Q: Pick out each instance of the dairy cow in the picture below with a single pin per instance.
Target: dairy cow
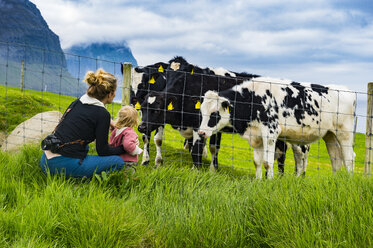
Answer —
(264, 110)
(154, 108)
(148, 79)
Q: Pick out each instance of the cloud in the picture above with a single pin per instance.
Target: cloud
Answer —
(301, 39)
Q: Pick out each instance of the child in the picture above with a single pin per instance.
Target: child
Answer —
(124, 135)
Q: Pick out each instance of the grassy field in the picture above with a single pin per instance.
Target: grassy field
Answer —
(175, 205)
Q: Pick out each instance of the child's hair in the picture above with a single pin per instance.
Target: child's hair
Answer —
(127, 117)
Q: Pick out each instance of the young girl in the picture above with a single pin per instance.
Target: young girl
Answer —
(124, 135)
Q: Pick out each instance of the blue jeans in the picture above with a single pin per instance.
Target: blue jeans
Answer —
(90, 165)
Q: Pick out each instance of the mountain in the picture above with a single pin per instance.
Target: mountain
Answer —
(89, 57)
(115, 52)
(21, 23)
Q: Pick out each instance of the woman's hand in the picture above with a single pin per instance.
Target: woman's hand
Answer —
(112, 125)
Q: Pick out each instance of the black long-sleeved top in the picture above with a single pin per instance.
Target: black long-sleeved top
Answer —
(89, 123)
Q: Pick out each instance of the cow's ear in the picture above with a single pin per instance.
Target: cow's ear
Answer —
(171, 100)
(137, 68)
(197, 102)
(225, 106)
(153, 78)
(135, 103)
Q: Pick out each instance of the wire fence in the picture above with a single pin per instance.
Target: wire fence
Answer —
(41, 80)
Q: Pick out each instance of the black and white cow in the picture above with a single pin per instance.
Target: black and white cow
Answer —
(154, 108)
(151, 78)
(148, 79)
(263, 110)
(179, 107)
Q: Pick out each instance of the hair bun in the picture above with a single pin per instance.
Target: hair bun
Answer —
(90, 78)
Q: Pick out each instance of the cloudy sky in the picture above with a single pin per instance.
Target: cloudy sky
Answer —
(322, 41)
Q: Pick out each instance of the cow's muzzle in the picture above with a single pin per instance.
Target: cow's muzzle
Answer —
(141, 128)
(202, 134)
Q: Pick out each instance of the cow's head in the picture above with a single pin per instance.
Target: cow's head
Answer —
(145, 79)
(154, 110)
(215, 112)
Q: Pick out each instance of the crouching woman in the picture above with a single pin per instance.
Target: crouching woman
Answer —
(85, 120)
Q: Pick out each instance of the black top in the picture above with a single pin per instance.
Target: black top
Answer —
(86, 122)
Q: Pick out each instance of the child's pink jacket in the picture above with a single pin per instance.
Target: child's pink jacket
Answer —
(128, 138)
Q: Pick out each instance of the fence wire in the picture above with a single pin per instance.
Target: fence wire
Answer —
(47, 81)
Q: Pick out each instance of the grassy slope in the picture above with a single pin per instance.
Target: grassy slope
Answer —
(175, 206)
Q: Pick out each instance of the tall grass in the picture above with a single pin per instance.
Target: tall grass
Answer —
(175, 206)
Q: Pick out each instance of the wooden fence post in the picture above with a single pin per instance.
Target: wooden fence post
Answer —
(369, 132)
(126, 90)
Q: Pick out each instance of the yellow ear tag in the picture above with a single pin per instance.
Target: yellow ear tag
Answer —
(160, 69)
(137, 106)
(228, 109)
(192, 72)
(152, 80)
(198, 105)
(170, 106)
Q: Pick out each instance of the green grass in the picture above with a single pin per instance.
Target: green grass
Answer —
(177, 206)
(174, 206)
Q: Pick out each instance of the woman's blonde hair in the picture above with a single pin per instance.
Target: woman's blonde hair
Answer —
(100, 83)
(127, 117)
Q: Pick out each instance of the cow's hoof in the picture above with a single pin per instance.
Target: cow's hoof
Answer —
(213, 169)
(158, 162)
(145, 163)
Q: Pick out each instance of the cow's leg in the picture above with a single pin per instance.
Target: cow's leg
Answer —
(258, 160)
(189, 144)
(346, 140)
(145, 155)
(197, 149)
(214, 149)
(300, 157)
(269, 147)
(158, 144)
(306, 149)
(186, 145)
(334, 150)
(204, 152)
(281, 148)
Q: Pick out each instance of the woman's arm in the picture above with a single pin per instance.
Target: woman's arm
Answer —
(102, 132)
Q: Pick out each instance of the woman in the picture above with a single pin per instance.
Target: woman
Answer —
(86, 121)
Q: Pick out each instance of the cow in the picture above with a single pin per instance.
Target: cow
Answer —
(144, 80)
(179, 106)
(152, 78)
(264, 110)
(151, 120)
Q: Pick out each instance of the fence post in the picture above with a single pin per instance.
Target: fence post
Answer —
(369, 132)
(126, 89)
